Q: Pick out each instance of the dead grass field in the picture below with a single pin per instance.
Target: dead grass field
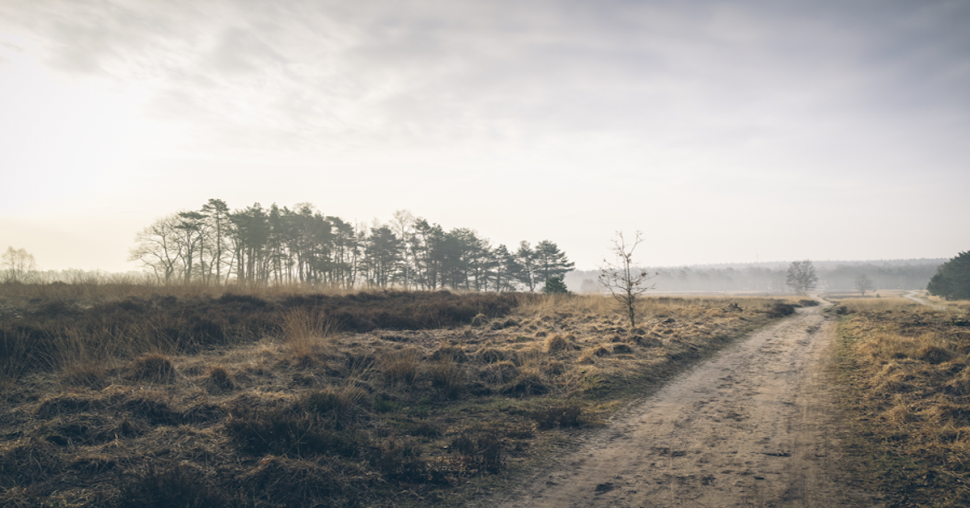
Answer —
(905, 371)
(142, 396)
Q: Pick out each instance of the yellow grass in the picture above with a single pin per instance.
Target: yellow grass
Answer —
(310, 404)
(906, 372)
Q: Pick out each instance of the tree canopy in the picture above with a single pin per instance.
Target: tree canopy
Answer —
(302, 245)
(801, 277)
(952, 279)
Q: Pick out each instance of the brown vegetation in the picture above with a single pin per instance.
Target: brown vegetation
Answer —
(906, 373)
(293, 399)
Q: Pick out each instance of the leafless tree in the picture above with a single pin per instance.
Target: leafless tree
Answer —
(625, 282)
(863, 283)
(801, 277)
(19, 265)
(403, 223)
(160, 249)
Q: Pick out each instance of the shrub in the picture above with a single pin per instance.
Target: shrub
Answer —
(178, 486)
(500, 373)
(934, 354)
(492, 355)
(219, 377)
(32, 461)
(401, 461)
(338, 406)
(280, 432)
(555, 343)
(479, 320)
(558, 417)
(622, 349)
(779, 309)
(528, 383)
(449, 353)
(152, 367)
(555, 286)
(400, 367)
(479, 451)
(447, 377)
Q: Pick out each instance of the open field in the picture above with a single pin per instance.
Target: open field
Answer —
(134, 396)
(905, 374)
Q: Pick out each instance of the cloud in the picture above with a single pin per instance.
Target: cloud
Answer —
(701, 74)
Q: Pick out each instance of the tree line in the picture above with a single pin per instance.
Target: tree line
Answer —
(216, 245)
(775, 278)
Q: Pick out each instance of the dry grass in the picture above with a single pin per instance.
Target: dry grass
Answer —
(296, 399)
(307, 333)
(906, 373)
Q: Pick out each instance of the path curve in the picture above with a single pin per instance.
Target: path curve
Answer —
(754, 426)
(912, 296)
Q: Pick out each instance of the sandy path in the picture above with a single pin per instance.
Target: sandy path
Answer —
(750, 427)
(912, 296)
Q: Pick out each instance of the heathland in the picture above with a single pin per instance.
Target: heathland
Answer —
(136, 395)
(904, 371)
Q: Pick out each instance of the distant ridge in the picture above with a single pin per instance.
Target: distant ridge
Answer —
(770, 275)
(819, 263)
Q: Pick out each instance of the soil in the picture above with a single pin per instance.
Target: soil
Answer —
(757, 425)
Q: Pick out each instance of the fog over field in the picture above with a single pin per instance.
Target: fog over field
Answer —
(739, 132)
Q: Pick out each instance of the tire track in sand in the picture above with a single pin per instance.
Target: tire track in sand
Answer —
(753, 427)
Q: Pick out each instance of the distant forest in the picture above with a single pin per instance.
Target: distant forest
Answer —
(770, 277)
(216, 245)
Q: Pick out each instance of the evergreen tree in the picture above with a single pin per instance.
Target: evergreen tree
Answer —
(551, 262)
(952, 279)
(555, 286)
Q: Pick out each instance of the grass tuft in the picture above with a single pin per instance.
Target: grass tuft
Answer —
(556, 343)
(152, 367)
(178, 486)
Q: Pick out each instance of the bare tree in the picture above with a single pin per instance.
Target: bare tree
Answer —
(625, 282)
(863, 283)
(160, 249)
(801, 277)
(403, 223)
(19, 265)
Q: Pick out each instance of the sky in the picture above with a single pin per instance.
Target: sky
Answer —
(724, 131)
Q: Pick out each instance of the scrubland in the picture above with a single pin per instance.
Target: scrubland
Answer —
(126, 395)
(905, 374)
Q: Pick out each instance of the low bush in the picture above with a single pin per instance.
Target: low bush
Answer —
(281, 432)
(401, 461)
(779, 309)
(219, 378)
(479, 451)
(555, 343)
(401, 367)
(448, 377)
(152, 367)
(558, 417)
(178, 486)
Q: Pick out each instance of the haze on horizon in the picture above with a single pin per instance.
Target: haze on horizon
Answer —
(755, 130)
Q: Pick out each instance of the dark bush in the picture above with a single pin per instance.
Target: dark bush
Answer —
(179, 486)
(779, 309)
(558, 417)
(401, 461)
(281, 432)
(189, 325)
(152, 367)
(479, 451)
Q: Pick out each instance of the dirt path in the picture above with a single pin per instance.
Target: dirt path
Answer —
(752, 427)
(912, 296)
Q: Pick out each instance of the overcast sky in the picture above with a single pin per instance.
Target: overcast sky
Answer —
(725, 131)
